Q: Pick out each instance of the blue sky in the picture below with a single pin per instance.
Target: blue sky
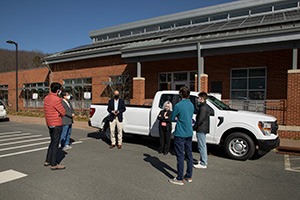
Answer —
(56, 25)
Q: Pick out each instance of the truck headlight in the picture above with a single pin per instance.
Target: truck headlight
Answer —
(265, 127)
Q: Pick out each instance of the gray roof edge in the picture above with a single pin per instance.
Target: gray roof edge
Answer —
(205, 40)
(226, 7)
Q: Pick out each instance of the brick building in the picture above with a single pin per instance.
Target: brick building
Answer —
(245, 50)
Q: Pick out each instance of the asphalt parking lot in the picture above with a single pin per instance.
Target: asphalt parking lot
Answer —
(136, 171)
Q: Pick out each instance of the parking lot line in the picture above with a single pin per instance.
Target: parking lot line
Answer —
(287, 162)
(22, 146)
(31, 150)
(10, 175)
(18, 138)
(24, 141)
(7, 133)
(14, 135)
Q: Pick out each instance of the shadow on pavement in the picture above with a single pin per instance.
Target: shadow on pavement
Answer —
(60, 155)
(153, 143)
(4, 120)
(159, 165)
(99, 135)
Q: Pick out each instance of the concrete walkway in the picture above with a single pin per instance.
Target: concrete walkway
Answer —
(285, 144)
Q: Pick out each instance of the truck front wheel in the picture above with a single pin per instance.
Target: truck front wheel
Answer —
(239, 146)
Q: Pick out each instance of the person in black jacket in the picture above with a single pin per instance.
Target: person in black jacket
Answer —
(116, 107)
(67, 122)
(202, 128)
(165, 127)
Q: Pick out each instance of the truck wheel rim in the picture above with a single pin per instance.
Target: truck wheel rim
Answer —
(238, 147)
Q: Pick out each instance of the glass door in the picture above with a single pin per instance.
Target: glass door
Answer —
(178, 84)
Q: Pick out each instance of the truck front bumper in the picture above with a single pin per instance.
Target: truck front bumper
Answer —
(268, 145)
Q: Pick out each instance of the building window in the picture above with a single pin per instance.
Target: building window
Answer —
(248, 84)
(4, 94)
(42, 89)
(76, 88)
(175, 80)
(122, 84)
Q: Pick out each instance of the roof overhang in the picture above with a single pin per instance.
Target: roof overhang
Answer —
(81, 55)
(221, 8)
(267, 38)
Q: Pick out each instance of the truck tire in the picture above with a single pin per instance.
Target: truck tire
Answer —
(239, 146)
(107, 133)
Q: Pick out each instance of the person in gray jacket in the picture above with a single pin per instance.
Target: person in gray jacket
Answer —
(202, 128)
(67, 122)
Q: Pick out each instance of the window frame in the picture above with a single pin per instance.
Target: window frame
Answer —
(248, 77)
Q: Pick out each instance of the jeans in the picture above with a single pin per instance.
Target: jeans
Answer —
(183, 145)
(55, 133)
(201, 139)
(65, 135)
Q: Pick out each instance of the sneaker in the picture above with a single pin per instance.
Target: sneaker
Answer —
(66, 148)
(58, 167)
(176, 182)
(199, 166)
(187, 179)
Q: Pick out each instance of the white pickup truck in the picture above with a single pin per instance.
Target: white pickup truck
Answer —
(241, 133)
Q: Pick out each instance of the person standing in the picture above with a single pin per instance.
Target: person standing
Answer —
(202, 128)
(165, 128)
(67, 122)
(54, 110)
(116, 107)
(183, 112)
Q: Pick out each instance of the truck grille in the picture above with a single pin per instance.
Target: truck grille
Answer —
(274, 127)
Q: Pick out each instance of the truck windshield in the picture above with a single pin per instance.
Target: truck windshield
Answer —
(219, 104)
(174, 99)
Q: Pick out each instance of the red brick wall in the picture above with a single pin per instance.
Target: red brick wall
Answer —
(138, 91)
(150, 71)
(218, 69)
(293, 98)
(204, 83)
(24, 76)
(99, 69)
(289, 134)
(277, 63)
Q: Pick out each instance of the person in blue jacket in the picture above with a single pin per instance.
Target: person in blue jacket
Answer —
(183, 113)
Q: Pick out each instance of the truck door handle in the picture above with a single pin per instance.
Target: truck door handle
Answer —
(221, 120)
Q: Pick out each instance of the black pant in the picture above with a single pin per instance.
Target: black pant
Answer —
(164, 138)
(55, 134)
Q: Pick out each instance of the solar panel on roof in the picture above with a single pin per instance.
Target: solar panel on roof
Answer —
(273, 18)
(233, 23)
(215, 26)
(291, 15)
(253, 21)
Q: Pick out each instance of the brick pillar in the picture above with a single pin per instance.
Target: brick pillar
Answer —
(293, 98)
(138, 91)
(196, 83)
(204, 83)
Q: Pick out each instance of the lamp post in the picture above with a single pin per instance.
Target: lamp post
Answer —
(12, 42)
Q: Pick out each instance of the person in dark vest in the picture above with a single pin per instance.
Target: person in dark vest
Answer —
(67, 122)
(116, 107)
(202, 128)
(165, 127)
